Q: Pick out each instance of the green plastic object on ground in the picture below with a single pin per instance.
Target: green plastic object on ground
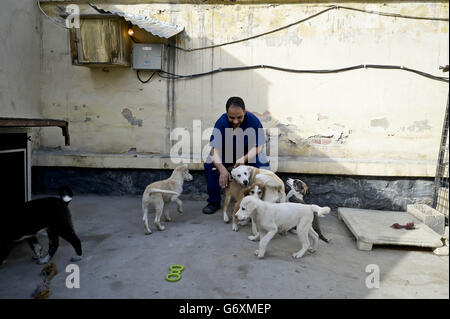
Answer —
(175, 273)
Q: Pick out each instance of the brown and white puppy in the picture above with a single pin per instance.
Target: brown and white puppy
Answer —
(298, 189)
(161, 193)
(256, 190)
(236, 192)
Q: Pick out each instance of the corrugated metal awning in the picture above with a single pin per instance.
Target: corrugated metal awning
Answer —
(154, 26)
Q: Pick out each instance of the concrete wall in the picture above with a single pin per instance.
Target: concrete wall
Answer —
(363, 122)
(380, 193)
(20, 59)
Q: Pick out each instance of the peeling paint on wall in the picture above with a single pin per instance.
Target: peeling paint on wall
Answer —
(383, 122)
(333, 137)
(419, 126)
(320, 139)
(264, 117)
(130, 118)
(287, 128)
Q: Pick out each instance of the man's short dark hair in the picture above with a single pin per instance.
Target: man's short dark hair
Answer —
(236, 102)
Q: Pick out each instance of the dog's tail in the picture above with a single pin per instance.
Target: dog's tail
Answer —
(321, 211)
(65, 193)
(162, 191)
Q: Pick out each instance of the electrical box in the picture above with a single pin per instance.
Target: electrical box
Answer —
(147, 56)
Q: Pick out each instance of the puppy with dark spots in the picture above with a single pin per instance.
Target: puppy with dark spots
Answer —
(298, 189)
(51, 214)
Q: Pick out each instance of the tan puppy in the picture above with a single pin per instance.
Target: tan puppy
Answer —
(236, 192)
(274, 186)
(232, 192)
(161, 193)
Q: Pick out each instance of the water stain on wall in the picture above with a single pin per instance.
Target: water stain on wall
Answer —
(130, 118)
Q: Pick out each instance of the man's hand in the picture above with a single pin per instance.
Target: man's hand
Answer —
(240, 162)
(224, 178)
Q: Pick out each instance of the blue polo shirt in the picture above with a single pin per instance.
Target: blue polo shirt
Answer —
(233, 144)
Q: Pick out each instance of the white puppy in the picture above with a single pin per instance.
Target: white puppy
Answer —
(160, 193)
(274, 186)
(272, 218)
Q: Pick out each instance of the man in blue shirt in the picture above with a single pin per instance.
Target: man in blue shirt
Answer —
(237, 139)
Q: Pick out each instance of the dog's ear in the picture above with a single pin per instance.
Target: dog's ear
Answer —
(247, 190)
(304, 188)
(65, 191)
(300, 186)
(181, 168)
(251, 206)
(252, 173)
(263, 189)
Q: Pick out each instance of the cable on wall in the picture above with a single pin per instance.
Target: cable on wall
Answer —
(393, 15)
(168, 75)
(334, 7)
(144, 81)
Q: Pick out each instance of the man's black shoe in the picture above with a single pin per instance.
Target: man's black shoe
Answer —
(211, 208)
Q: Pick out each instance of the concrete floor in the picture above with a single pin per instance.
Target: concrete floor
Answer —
(119, 261)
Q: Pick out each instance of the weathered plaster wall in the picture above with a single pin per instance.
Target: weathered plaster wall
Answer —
(364, 122)
(20, 63)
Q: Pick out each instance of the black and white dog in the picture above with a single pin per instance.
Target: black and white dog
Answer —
(50, 213)
(298, 189)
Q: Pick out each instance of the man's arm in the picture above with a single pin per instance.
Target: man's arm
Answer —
(253, 152)
(225, 176)
(217, 161)
(259, 142)
(249, 156)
